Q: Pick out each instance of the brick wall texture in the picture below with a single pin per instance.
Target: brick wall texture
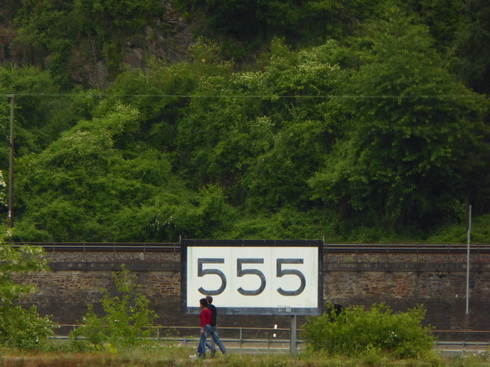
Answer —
(402, 281)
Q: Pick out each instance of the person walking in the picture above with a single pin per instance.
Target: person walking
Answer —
(214, 328)
(205, 318)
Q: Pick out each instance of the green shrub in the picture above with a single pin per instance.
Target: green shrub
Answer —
(374, 333)
(20, 328)
(126, 322)
(23, 329)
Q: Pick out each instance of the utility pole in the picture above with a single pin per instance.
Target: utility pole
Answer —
(11, 164)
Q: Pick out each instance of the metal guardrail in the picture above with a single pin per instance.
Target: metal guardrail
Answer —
(276, 346)
(329, 248)
(446, 248)
(253, 340)
(266, 333)
(230, 332)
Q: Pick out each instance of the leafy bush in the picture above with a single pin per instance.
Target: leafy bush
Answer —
(20, 328)
(23, 329)
(373, 333)
(458, 232)
(126, 321)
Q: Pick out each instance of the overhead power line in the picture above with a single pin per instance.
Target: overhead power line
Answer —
(264, 96)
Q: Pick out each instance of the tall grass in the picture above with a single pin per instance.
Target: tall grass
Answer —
(178, 356)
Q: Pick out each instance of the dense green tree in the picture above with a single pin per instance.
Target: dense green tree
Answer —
(264, 134)
(32, 114)
(473, 46)
(410, 137)
(41, 110)
(442, 17)
(248, 24)
(68, 187)
(98, 182)
(363, 137)
(301, 128)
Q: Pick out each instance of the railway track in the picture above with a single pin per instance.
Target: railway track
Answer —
(104, 246)
(329, 248)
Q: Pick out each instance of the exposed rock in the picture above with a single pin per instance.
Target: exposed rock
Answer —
(164, 38)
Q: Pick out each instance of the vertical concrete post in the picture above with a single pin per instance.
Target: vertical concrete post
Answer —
(294, 338)
(11, 164)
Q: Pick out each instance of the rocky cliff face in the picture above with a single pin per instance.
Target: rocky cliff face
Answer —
(164, 38)
(7, 34)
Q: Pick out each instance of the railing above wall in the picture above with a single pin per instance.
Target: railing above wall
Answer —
(329, 248)
(104, 246)
(407, 248)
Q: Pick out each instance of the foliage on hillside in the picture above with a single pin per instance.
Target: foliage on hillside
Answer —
(360, 121)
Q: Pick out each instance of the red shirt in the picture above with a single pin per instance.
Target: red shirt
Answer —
(206, 316)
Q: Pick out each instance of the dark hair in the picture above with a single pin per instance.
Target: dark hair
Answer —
(209, 299)
(203, 302)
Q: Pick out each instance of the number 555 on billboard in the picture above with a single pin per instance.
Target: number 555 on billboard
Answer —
(253, 277)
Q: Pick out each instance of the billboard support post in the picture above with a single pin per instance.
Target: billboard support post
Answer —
(254, 277)
(294, 336)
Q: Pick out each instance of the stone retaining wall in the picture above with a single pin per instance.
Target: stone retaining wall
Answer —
(401, 280)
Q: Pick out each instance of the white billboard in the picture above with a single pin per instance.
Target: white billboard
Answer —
(253, 277)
